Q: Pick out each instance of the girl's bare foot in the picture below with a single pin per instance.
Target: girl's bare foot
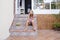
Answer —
(25, 29)
(34, 29)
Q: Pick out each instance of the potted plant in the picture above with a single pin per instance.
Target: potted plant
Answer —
(56, 26)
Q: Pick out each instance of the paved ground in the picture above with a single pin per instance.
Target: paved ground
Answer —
(42, 35)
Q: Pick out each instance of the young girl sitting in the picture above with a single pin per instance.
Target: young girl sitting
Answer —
(30, 20)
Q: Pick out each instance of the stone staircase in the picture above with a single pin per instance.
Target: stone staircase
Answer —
(17, 28)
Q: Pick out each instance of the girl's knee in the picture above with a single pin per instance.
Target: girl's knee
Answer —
(27, 20)
(32, 20)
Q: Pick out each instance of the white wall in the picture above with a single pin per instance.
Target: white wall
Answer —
(6, 17)
(47, 1)
(46, 11)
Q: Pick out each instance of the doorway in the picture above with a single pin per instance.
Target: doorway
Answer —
(27, 6)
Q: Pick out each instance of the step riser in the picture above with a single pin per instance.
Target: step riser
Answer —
(24, 34)
(23, 19)
(21, 23)
(23, 16)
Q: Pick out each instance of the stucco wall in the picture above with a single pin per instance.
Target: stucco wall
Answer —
(6, 17)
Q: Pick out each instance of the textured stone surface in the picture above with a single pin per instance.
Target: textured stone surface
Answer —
(19, 23)
(42, 35)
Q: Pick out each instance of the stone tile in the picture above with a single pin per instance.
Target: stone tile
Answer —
(42, 35)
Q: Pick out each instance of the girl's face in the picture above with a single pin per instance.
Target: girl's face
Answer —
(31, 12)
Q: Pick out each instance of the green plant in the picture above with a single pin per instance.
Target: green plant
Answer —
(56, 25)
(53, 6)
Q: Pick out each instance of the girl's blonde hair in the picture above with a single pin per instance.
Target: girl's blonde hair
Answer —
(31, 14)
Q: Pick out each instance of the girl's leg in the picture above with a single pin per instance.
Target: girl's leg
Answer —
(34, 28)
(26, 26)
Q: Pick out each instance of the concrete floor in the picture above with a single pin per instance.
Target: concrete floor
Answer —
(42, 35)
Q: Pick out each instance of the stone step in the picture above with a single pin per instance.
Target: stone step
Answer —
(19, 23)
(24, 33)
(23, 16)
(22, 19)
(22, 22)
(20, 31)
(20, 28)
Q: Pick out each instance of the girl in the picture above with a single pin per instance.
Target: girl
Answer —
(30, 20)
